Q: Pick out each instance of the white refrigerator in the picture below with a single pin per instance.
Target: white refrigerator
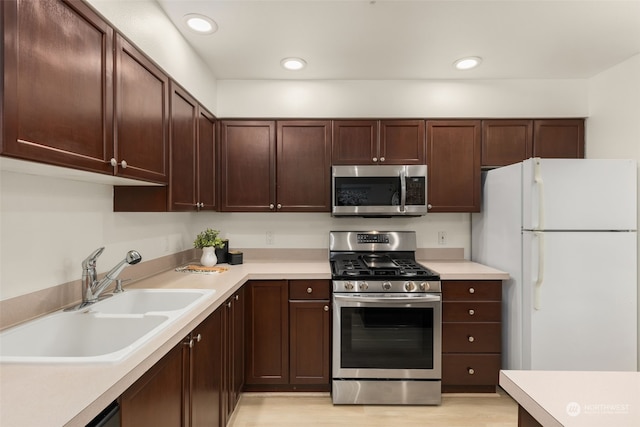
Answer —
(566, 232)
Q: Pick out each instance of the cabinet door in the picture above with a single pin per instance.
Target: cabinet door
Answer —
(206, 372)
(402, 142)
(206, 160)
(267, 333)
(183, 149)
(237, 349)
(142, 112)
(157, 398)
(453, 159)
(309, 335)
(354, 142)
(303, 166)
(505, 142)
(558, 138)
(57, 98)
(247, 166)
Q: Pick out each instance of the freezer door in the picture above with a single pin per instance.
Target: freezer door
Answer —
(579, 194)
(580, 301)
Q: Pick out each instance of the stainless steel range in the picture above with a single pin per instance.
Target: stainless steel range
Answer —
(387, 321)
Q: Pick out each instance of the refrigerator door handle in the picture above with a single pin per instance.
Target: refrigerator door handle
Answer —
(537, 178)
(538, 285)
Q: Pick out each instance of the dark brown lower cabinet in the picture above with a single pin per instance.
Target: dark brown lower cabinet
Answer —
(287, 335)
(233, 354)
(184, 387)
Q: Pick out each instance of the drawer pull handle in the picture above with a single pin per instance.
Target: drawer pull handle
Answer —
(471, 339)
(472, 291)
(472, 312)
(471, 371)
(309, 290)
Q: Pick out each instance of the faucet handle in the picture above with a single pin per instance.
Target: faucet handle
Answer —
(90, 261)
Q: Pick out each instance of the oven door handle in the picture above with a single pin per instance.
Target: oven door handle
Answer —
(387, 299)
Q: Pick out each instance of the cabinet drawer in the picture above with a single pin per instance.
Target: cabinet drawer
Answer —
(463, 290)
(471, 337)
(309, 289)
(466, 369)
(471, 311)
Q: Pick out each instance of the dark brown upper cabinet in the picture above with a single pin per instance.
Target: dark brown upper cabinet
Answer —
(558, 138)
(142, 115)
(453, 154)
(273, 166)
(392, 142)
(57, 97)
(506, 141)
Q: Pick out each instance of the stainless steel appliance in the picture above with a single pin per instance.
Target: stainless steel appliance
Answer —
(374, 190)
(387, 321)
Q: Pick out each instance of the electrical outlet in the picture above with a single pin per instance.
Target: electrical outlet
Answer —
(442, 237)
(270, 239)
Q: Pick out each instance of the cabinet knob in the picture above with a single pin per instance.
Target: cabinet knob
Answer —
(229, 304)
(198, 338)
(472, 291)
(382, 159)
(375, 159)
(279, 206)
(271, 206)
(472, 312)
(471, 371)
(429, 206)
(471, 338)
(309, 290)
(115, 163)
(326, 308)
(188, 342)
(237, 297)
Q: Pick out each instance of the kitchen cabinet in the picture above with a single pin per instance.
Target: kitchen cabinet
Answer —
(141, 115)
(453, 161)
(509, 141)
(57, 97)
(471, 335)
(287, 335)
(558, 138)
(184, 387)
(233, 357)
(269, 166)
(392, 142)
(192, 148)
(309, 332)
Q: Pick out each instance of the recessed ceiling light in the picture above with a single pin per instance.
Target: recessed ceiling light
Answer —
(467, 63)
(293, 64)
(201, 24)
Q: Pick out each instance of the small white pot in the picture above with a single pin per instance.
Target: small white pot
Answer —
(209, 258)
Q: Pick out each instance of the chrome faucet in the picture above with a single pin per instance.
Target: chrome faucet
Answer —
(91, 287)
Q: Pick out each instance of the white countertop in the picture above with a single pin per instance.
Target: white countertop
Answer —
(576, 398)
(72, 394)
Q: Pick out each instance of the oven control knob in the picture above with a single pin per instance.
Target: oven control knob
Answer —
(364, 286)
(425, 286)
(348, 286)
(409, 286)
(386, 286)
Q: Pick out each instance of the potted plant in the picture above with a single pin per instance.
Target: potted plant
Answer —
(208, 241)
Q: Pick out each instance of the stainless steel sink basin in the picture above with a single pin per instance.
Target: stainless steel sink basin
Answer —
(140, 301)
(107, 331)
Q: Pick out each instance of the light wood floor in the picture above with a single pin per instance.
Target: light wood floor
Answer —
(316, 409)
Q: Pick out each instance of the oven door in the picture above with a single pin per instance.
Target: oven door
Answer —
(387, 336)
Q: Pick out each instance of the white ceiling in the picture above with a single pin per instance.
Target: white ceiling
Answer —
(420, 39)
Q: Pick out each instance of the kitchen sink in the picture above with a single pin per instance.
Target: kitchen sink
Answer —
(140, 301)
(105, 332)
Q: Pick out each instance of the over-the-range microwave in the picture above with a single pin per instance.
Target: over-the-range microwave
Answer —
(379, 191)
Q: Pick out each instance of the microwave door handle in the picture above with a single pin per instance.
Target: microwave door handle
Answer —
(403, 190)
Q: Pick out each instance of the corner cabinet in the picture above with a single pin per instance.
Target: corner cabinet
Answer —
(288, 335)
(57, 98)
(269, 166)
(390, 142)
(453, 161)
(471, 335)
